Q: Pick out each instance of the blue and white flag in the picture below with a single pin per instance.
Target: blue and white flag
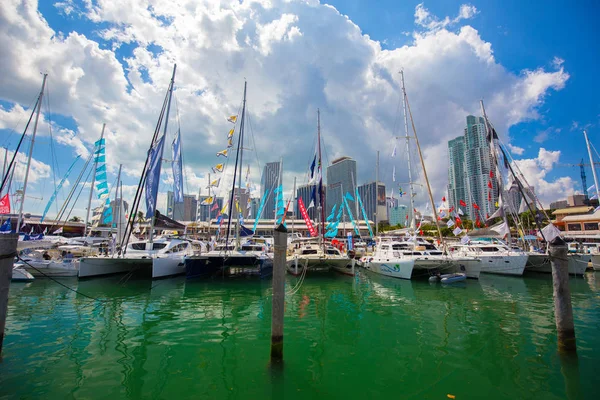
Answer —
(591, 188)
(100, 173)
(57, 189)
(6, 227)
(279, 205)
(153, 176)
(177, 170)
(260, 209)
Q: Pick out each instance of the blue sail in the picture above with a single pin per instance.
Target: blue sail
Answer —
(177, 170)
(100, 173)
(153, 176)
(350, 213)
(260, 209)
(279, 205)
(60, 184)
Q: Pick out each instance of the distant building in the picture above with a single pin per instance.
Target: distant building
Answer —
(559, 204)
(374, 200)
(470, 163)
(576, 200)
(206, 212)
(341, 178)
(269, 181)
(304, 192)
(397, 215)
(184, 211)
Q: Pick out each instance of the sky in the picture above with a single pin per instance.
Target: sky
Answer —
(534, 67)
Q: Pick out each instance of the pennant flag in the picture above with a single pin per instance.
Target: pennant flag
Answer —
(348, 196)
(224, 208)
(222, 153)
(177, 168)
(217, 168)
(458, 221)
(475, 206)
(460, 212)
(312, 167)
(451, 209)
(491, 174)
(232, 119)
(6, 226)
(214, 207)
(591, 188)
(58, 231)
(152, 177)
(214, 183)
(465, 239)
(394, 151)
(260, 208)
(311, 229)
(313, 197)
(490, 184)
(444, 198)
(462, 203)
(394, 174)
(5, 205)
(450, 223)
(489, 196)
(442, 214)
(229, 143)
(208, 201)
(457, 231)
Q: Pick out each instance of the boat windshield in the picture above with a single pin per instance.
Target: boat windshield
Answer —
(309, 251)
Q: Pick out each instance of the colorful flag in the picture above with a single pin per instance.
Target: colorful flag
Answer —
(457, 231)
(5, 204)
(6, 227)
(229, 143)
(462, 203)
(217, 168)
(444, 198)
(214, 207)
(214, 183)
(222, 153)
(465, 239)
(490, 184)
(475, 206)
(232, 119)
(208, 201)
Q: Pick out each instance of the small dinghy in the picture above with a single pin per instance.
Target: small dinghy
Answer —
(452, 278)
(20, 275)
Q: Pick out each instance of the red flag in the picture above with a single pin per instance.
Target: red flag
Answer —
(421, 232)
(462, 203)
(311, 229)
(475, 206)
(490, 184)
(489, 196)
(451, 209)
(458, 221)
(477, 222)
(444, 198)
(487, 216)
(5, 204)
(214, 207)
(491, 174)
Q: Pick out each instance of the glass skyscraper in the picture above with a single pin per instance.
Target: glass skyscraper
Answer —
(341, 178)
(269, 180)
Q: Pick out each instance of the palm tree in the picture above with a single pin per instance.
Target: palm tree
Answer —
(140, 219)
(75, 219)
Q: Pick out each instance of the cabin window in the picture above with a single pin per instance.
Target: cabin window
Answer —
(489, 249)
(309, 251)
(573, 227)
(332, 251)
(385, 247)
(399, 246)
(139, 246)
(158, 246)
(590, 226)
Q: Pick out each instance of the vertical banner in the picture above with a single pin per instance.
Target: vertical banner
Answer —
(307, 221)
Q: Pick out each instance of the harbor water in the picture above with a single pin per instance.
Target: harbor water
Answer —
(345, 337)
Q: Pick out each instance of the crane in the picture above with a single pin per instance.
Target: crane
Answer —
(582, 166)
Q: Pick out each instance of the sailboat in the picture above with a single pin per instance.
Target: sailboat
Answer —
(400, 258)
(315, 254)
(231, 256)
(157, 257)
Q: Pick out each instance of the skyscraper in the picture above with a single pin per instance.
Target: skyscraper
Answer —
(184, 211)
(341, 178)
(270, 181)
(204, 212)
(374, 201)
(470, 163)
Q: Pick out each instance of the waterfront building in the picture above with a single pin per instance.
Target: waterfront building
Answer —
(341, 178)
(182, 211)
(398, 215)
(270, 181)
(374, 201)
(204, 212)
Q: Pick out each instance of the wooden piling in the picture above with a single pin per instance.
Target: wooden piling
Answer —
(563, 310)
(278, 293)
(8, 251)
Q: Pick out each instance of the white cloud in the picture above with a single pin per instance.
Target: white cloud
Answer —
(536, 171)
(296, 56)
(515, 149)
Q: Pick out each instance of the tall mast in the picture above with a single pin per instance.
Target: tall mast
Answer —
(118, 204)
(495, 160)
(377, 189)
(412, 122)
(320, 183)
(295, 205)
(210, 205)
(237, 159)
(410, 181)
(153, 218)
(4, 165)
(587, 142)
(35, 125)
(87, 215)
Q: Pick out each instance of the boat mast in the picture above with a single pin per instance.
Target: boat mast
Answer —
(587, 142)
(295, 205)
(410, 181)
(412, 122)
(4, 165)
(118, 204)
(237, 158)
(495, 160)
(153, 218)
(377, 191)
(320, 183)
(356, 201)
(87, 215)
(35, 125)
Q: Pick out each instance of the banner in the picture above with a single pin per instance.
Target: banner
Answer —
(307, 221)
(153, 176)
(260, 209)
(177, 170)
(5, 204)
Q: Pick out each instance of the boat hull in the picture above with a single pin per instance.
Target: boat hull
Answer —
(98, 266)
(315, 264)
(596, 262)
(53, 269)
(20, 275)
(242, 264)
(394, 268)
(167, 266)
(541, 263)
(503, 264)
(470, 267)
(199, 267)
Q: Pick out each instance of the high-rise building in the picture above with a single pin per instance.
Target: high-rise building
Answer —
(472, 186)
(374, 201)
(184, 211)
(304, 192)
(398, 214)
(207, 212)
(269, 181)
(341, 178)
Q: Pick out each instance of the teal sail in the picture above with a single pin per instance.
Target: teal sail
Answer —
(60, 185)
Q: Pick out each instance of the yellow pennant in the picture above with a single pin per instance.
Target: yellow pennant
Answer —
(208, 201)
(230, 134)
(224, 209)
(232, 119)
(222, 153)
(217, 168)
(229, 143)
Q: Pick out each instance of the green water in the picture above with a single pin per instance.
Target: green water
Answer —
(347, 338)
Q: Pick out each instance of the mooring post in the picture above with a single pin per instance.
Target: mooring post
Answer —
(563, 310)
(8, 251)
(278, 293)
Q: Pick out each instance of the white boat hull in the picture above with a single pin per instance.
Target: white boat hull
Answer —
(20, 275)
(596, 262)
(167, 266)
(578, 263)
(470, 267)
(513, 264)
(98, 266)
(394, 268)
(315, 263)
(54, 269)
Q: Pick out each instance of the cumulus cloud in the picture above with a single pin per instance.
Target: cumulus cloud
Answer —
(296, 56)
(515, 149)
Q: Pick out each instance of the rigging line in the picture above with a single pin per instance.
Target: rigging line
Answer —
(187, 186)
(54, 161)
(76, 198)
(253, 140)
(6, 142)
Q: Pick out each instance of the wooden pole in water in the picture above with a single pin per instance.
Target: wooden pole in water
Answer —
(563, 310)
(8, 251)
(278, 293)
